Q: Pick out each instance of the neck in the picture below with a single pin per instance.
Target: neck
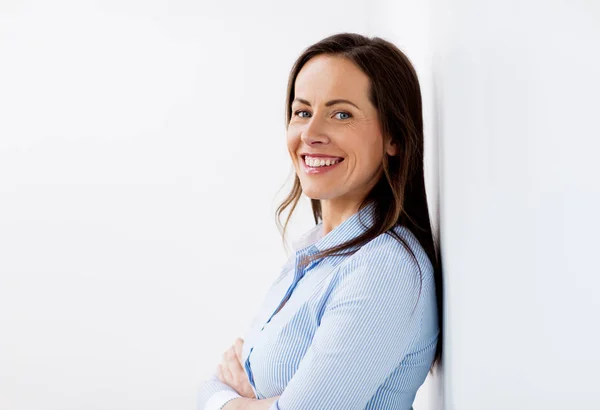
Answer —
(336, 212)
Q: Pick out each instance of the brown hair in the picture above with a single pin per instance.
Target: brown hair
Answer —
(399, 196)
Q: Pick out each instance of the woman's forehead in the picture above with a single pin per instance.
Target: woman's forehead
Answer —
(331, 77)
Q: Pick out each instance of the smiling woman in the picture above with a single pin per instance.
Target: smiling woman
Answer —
(353, 319)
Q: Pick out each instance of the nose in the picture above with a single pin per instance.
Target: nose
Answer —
(315, 132)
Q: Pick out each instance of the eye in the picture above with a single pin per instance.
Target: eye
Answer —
(345, 115)
(299, 113)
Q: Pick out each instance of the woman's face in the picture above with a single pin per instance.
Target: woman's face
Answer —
(333, 122)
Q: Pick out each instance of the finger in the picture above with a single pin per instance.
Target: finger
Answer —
(235, 365)
(231, 354)
(236, 354)
(227, 361)
(227, 375)
(239, 345)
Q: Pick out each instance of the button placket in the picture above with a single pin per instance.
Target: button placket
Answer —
(298, 275)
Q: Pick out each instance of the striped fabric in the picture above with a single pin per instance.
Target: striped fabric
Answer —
(354, 334)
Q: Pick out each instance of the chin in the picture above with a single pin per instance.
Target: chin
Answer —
(315, 193)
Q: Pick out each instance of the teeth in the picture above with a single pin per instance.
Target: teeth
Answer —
(314, 162)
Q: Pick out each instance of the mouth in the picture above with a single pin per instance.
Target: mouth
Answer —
(319, 165)
(320, 162)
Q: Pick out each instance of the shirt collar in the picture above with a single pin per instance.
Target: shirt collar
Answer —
(351, 228)
(309, 238)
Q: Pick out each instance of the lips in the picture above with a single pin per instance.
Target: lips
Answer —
(320, 169)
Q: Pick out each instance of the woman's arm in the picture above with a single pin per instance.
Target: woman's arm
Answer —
(367, 327)
(228, 382)
(213, 393)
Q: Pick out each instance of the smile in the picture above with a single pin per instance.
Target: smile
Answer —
(319, 165)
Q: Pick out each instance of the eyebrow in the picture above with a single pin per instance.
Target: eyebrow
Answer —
(328, 103)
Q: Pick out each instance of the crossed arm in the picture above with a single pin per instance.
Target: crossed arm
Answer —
(365, 331)
(231, 381)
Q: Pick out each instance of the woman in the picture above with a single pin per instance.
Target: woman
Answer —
(353, 320)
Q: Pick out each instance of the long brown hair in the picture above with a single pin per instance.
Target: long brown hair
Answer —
(399, 196)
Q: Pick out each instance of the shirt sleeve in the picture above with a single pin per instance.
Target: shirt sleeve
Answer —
(214, 394)
(368, 324)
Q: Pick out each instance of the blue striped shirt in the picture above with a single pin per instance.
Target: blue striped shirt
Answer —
(357, 332)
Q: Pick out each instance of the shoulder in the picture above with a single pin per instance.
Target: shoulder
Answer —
(391, 274)
(399, 257)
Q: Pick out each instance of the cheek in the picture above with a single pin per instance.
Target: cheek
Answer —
(368, 155)
(293, 136)
(293, 140)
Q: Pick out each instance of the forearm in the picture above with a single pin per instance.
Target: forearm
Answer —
(213, 391)
(250, 404)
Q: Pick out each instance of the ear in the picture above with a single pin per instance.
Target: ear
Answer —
(391, 148)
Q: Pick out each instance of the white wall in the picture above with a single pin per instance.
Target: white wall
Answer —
(141, 147)
(517, 95)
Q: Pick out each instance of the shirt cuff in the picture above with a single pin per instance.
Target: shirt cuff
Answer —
(219, 399)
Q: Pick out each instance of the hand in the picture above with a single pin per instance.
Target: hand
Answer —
(231, 372)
